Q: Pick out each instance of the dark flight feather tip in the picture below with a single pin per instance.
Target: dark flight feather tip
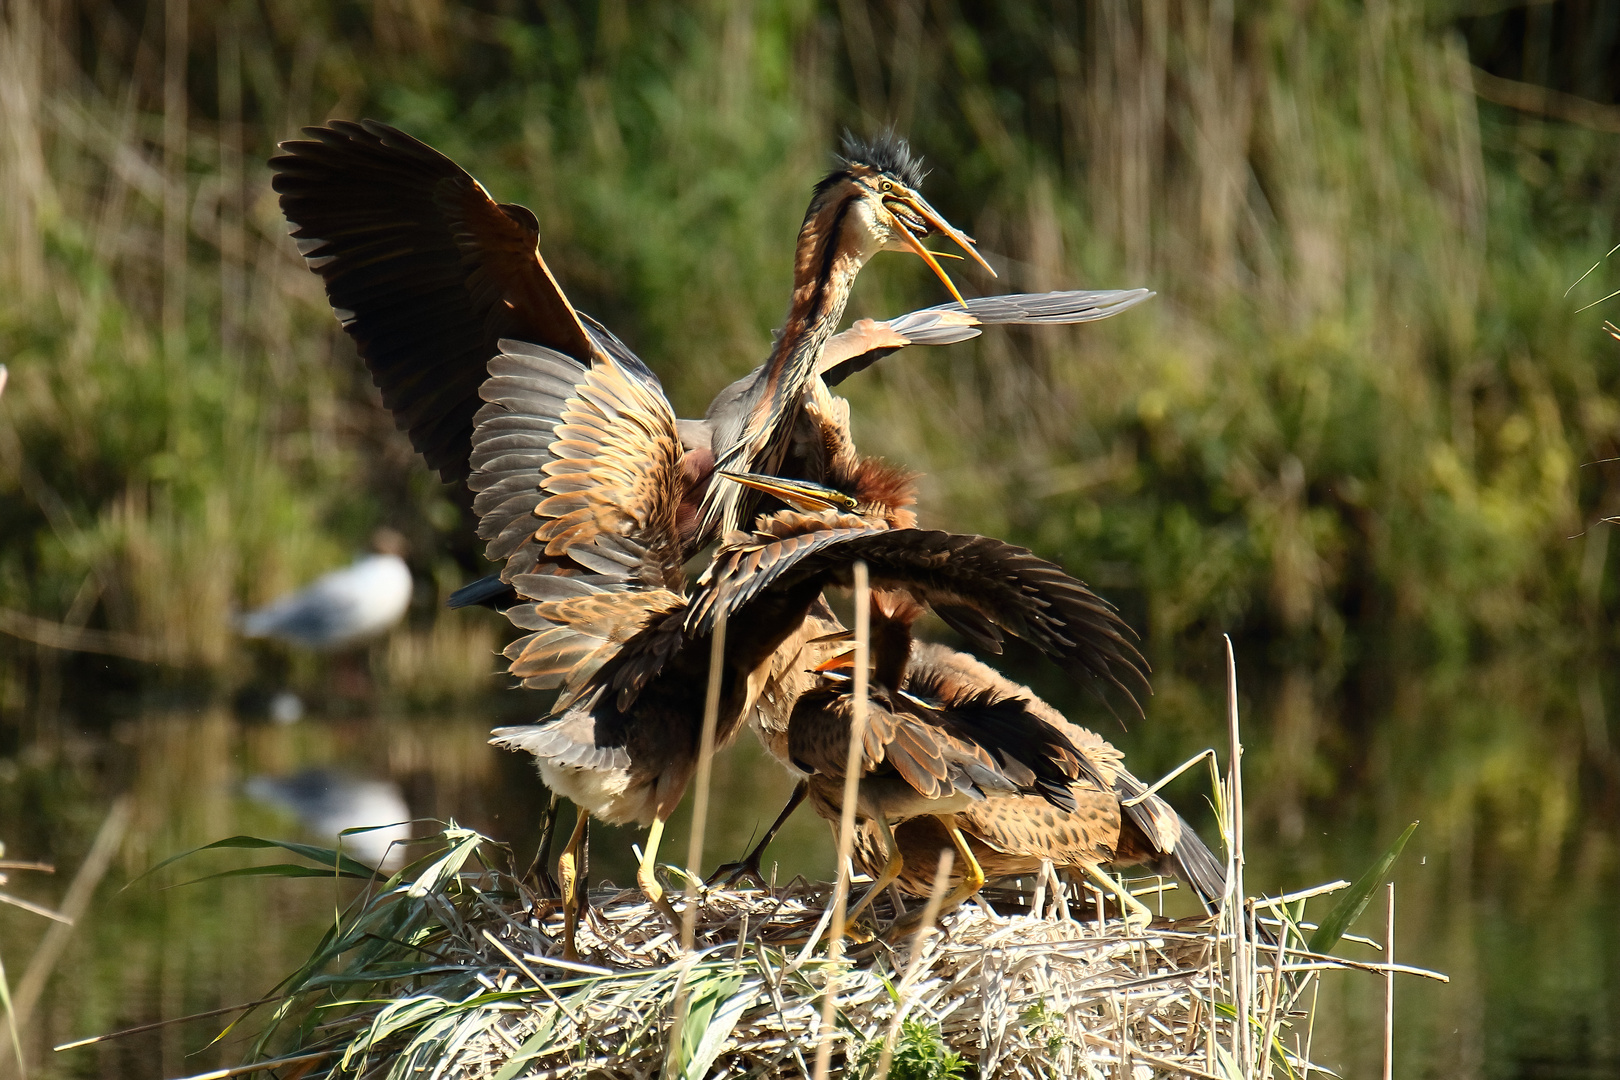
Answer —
(887, 153)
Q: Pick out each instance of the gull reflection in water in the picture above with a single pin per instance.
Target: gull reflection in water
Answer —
(328, 801)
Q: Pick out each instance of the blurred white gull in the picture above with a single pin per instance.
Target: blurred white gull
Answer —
(360, 601)
(328, 801)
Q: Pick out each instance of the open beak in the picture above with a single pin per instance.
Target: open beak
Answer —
(918, 205)
(799, 494)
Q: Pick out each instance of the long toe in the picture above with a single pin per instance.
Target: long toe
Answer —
(732, 874)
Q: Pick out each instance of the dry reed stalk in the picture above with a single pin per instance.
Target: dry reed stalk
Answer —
(1389, 986)
(846, 820)
(700, 824)
(1242, 974)
(936, 895)
(75, 903)
(705, 773)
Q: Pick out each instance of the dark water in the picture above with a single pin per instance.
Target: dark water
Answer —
(1509, 886)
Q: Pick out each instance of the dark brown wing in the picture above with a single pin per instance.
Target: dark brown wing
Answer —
(1013, 589)
(565, 456)
(1154, 825)
(424, 269)
(867, 342)
(967, 740)
(927, 757)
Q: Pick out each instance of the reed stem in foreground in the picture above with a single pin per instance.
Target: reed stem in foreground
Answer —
(846, 821)
(705, 772)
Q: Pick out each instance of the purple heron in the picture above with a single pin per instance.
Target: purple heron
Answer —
(625, 641)
(1112, 819)
(919, 752)
(427, 274)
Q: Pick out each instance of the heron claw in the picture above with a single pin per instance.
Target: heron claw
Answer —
(729, 875)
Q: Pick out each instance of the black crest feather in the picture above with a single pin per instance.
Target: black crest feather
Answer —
(887, 153)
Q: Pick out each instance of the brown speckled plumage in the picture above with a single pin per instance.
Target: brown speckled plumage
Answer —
(1011, 834)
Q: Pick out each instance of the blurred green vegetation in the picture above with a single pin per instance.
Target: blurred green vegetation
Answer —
(1355, 422)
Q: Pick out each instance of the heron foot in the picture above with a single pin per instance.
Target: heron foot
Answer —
(729, 875)
(1136, 915)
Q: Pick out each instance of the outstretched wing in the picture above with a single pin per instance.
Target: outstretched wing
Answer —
(565, 456)
(1005, 587)
(426, 272)
(867, 342)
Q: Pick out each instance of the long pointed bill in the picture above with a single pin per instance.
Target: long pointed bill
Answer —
(962, 240)
(799, 494)
(837, 662)
(933, 263)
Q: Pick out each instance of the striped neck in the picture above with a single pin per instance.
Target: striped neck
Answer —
(834, 243)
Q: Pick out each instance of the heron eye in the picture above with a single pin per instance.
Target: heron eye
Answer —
(887, 186)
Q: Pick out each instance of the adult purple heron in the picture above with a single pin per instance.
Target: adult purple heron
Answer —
(428, 273)
(847, 352)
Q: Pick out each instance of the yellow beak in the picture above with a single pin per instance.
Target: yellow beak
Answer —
(919, 206)
(802, 495)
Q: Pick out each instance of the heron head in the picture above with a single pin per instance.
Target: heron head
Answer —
(881, 179)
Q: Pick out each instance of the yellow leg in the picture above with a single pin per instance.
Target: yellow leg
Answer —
(891, 870)
(972, 872)
(568, 877)
(1136, 915)
(972, 882)
(647, 873)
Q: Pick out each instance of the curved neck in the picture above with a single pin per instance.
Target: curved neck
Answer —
(834, 243)
(892, 616)
(833, 246)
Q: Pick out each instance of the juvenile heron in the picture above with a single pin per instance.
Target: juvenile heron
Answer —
(581, 476)
(1110, 818)
(626, 643)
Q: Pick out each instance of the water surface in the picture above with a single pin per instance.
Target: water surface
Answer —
(1509, 886)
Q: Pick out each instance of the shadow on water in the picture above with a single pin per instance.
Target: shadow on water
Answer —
(1510, 885)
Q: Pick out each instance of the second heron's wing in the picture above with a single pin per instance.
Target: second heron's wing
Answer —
(977, 584)
(564, 455)
(867, 342)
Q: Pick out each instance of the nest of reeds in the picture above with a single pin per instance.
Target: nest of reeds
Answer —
(1017, 995)
(453, 968)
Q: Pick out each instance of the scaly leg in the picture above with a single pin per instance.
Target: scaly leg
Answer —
(1136, 915)
(647, 874)
(748, 869)
(891, 869)
(972, 882)
(972, 872)
(538, 869)
(568, 865)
